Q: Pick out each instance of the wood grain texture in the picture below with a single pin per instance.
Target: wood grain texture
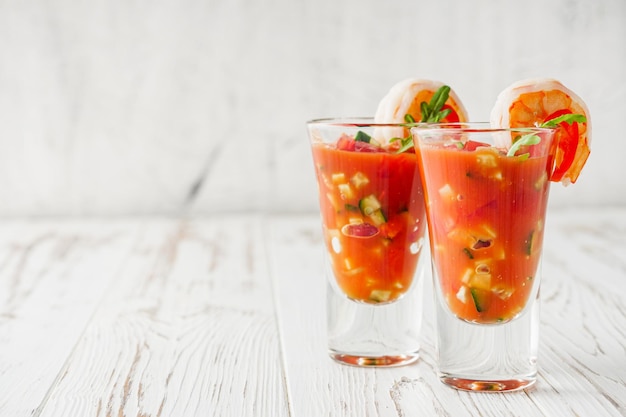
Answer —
(582, 362)
(224, 316)
(184, 326)
(52, 277)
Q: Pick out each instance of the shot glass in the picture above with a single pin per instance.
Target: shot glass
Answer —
(486, 193)
(373, 222)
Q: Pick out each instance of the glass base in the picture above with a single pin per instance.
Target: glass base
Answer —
(367, 335)
(375, 335)
(374, 361)
(466, 384)
(487, 357)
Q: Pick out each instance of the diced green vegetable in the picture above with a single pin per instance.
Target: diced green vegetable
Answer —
(369, 204)
(481, 282)
(380, 296)
(362, 137)
(371, 207)
(359, 180)
(378, 218)
(338, 178)
(528, 243)
(487, 159)
(346, 191)
(481, 299)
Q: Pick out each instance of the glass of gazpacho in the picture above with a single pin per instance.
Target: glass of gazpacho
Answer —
(373, 222)
(486, 192)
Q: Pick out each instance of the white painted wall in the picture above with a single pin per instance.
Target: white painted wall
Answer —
(115, 107)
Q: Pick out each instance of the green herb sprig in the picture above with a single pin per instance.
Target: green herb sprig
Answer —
(532, 139)
(431, 113)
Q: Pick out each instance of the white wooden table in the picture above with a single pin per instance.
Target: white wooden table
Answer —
(224, 316)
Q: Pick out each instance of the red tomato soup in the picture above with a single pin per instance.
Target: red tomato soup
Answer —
(373, 218)
(487, 214)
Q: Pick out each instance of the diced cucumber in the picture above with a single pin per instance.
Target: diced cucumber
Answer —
(362, 137)
(502, 291)
(359, 180)
(447, 193)
(380, 296)
(528, 243)
(369, 204)
(371, 207)
(378, 218)
(338, 178)
(482, 299)
(481, 282)
(487, 158)
(346, 191)
(461, 294)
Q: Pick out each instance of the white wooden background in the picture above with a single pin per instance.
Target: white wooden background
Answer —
(116, 107)
(224, 316)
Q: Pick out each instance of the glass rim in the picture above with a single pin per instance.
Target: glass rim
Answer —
(355, 121)
(474, 127)
(448, 127)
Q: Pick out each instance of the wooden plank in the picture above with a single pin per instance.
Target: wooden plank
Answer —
(582, 370)
(52, 277)
(188, 329)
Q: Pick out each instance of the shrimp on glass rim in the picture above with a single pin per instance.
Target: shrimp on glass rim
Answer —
(406, 98)
(532, 102)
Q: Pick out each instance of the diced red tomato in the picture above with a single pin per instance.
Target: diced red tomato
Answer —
(366, 147)
(346, 143)
(471, 145)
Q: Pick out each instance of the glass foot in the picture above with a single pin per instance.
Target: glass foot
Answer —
(487, 385)
(374, 361)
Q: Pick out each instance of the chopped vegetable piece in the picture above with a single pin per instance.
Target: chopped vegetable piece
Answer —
(380, 296)
(362, 230)
(369, 204)
(359, 180)
(370, 207)
(482, 299)
(528, 243)
(481, 282)
(345, 191)
(338, 178)
(362, 137)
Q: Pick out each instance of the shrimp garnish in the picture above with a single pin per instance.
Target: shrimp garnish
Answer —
(405, 98)
(533, 102)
